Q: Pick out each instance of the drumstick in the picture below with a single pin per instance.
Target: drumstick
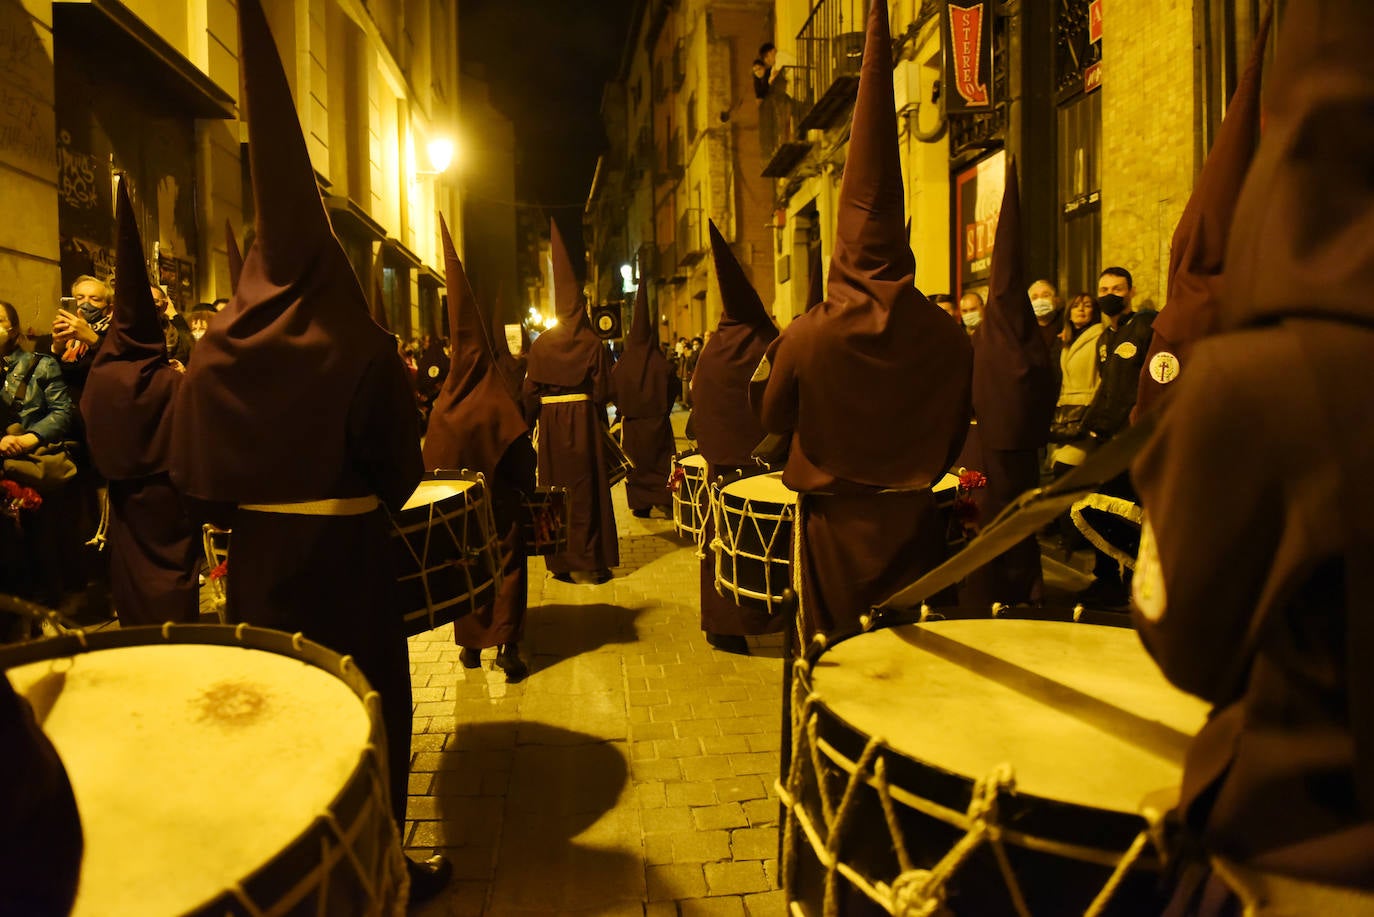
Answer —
(1150, 736)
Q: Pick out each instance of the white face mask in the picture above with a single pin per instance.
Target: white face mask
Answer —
(1042, 306)
(972, 319)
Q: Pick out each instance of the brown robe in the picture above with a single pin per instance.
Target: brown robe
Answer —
(1256, 572)
(727, 431)
(1014, 392)
(296, 395)
(570, 360)
(477, 425)
(872, 385)
(154, 551)
(646, 387)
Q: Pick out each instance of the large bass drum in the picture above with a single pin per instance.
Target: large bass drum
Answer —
(218, 770)
(977, 767)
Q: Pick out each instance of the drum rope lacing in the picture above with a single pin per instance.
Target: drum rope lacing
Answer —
(775, 598)
(917, 892)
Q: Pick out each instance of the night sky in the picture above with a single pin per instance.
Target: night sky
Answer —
(546, 62)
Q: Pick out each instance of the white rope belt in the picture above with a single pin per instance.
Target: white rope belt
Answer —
(564, 399)
(336, 506)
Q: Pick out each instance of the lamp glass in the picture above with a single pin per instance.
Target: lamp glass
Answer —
(440, 152)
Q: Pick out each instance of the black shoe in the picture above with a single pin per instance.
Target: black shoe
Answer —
(470, 657)
(562, 577)
(728, 643)
(1104, 594)
(591, 577)
(508, 660)
(641, 513)
(428, 877)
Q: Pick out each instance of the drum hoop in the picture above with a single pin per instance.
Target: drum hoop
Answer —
(726, 546)
(293, 646)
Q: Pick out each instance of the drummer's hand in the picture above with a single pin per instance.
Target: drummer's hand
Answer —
(18, 445)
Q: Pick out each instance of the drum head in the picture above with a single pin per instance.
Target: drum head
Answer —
(431, 492)
(692, 464)
(1080, 711)
(192, 765)
(767, 488)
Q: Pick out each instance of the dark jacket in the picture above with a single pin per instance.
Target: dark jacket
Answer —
(1120, 355)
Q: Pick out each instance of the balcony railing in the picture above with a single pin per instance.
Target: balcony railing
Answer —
(831, 48)
(781, 138)
(691, 237)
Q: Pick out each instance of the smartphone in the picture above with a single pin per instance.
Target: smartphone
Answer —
(68, 303)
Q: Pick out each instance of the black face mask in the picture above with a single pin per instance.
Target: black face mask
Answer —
(1110, 305)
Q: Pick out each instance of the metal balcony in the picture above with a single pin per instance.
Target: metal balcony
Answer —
(831, 47)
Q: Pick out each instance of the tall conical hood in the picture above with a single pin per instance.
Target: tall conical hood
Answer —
(1197, 254)
(1302, 239)
(231, 251)
(127, 402)
(295, 341)
(872, 266)
(643, 376)
(378, 298)
(1014, 384)
(726, 429)
(565, 354)
(474, 419)
(738, 298)
(877, 377)
(815, 292)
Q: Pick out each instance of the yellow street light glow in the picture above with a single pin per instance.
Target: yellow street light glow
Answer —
(440, 154)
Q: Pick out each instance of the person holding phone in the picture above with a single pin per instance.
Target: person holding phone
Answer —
(79, 327)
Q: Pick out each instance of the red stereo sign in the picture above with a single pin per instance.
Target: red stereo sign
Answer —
(1095, 21)
(968, 63)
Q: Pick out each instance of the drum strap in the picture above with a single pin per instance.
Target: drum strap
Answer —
(336, 506)
(564, 399)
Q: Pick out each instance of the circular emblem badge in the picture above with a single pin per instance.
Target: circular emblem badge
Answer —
(605, 323)
(1164, 367)
(1125, 350)
(434, 372)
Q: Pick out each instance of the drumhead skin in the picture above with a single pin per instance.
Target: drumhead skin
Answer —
(764, 487)
(165, 746)
(693, 463)
(431, 492)
(1080, 711)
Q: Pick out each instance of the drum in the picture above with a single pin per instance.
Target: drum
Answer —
(753, 543)
(215, 543)
(688, 484)
(544, 520)
(989, 766)
(617, 461)
(444, 551)
(218, 770)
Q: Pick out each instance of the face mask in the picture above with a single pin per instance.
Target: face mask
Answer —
(91, 313)
(972, 319)
(1042, 307)
(1110, 305)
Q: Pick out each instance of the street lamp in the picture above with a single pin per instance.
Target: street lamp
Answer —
(440, 151)
(627, 276)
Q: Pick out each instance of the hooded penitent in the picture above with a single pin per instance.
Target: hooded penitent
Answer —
(725, 427)
(127, 403)
(262, 414)
(474, 419)
(1197, 253)
(231, 252)
(1256, 571)
(562, 354)
(642, 375)
(1013, 382)
(882, 373)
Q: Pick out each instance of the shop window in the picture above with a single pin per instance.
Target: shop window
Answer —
(1080, 192)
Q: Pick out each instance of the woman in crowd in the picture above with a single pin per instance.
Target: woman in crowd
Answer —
(37, 410)
(1078, 365)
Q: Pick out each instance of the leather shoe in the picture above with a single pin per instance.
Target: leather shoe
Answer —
(641, 513)
(591, 577)
(470, 657)
(562, 577)
(728, 643)
(508, 660)
(428, 877)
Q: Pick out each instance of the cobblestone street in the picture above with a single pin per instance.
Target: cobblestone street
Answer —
(630, 773)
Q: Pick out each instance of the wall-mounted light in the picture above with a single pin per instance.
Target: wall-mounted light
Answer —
(627, 276)
(440, 151)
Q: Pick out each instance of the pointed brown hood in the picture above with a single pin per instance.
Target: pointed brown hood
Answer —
(474, 419)
(1197, 254)
(565, 354)
(725, 427)
(642, 377)
(1302, 240)
(295, 340)
(1014, 384)
(815, 292)
(127, 402)
(883, 374)
(231, 251)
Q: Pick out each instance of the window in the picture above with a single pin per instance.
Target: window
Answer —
(1080, 192)
(1227, 35)
(691, 117)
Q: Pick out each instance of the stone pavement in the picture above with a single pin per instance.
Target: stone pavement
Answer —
(630, 774)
